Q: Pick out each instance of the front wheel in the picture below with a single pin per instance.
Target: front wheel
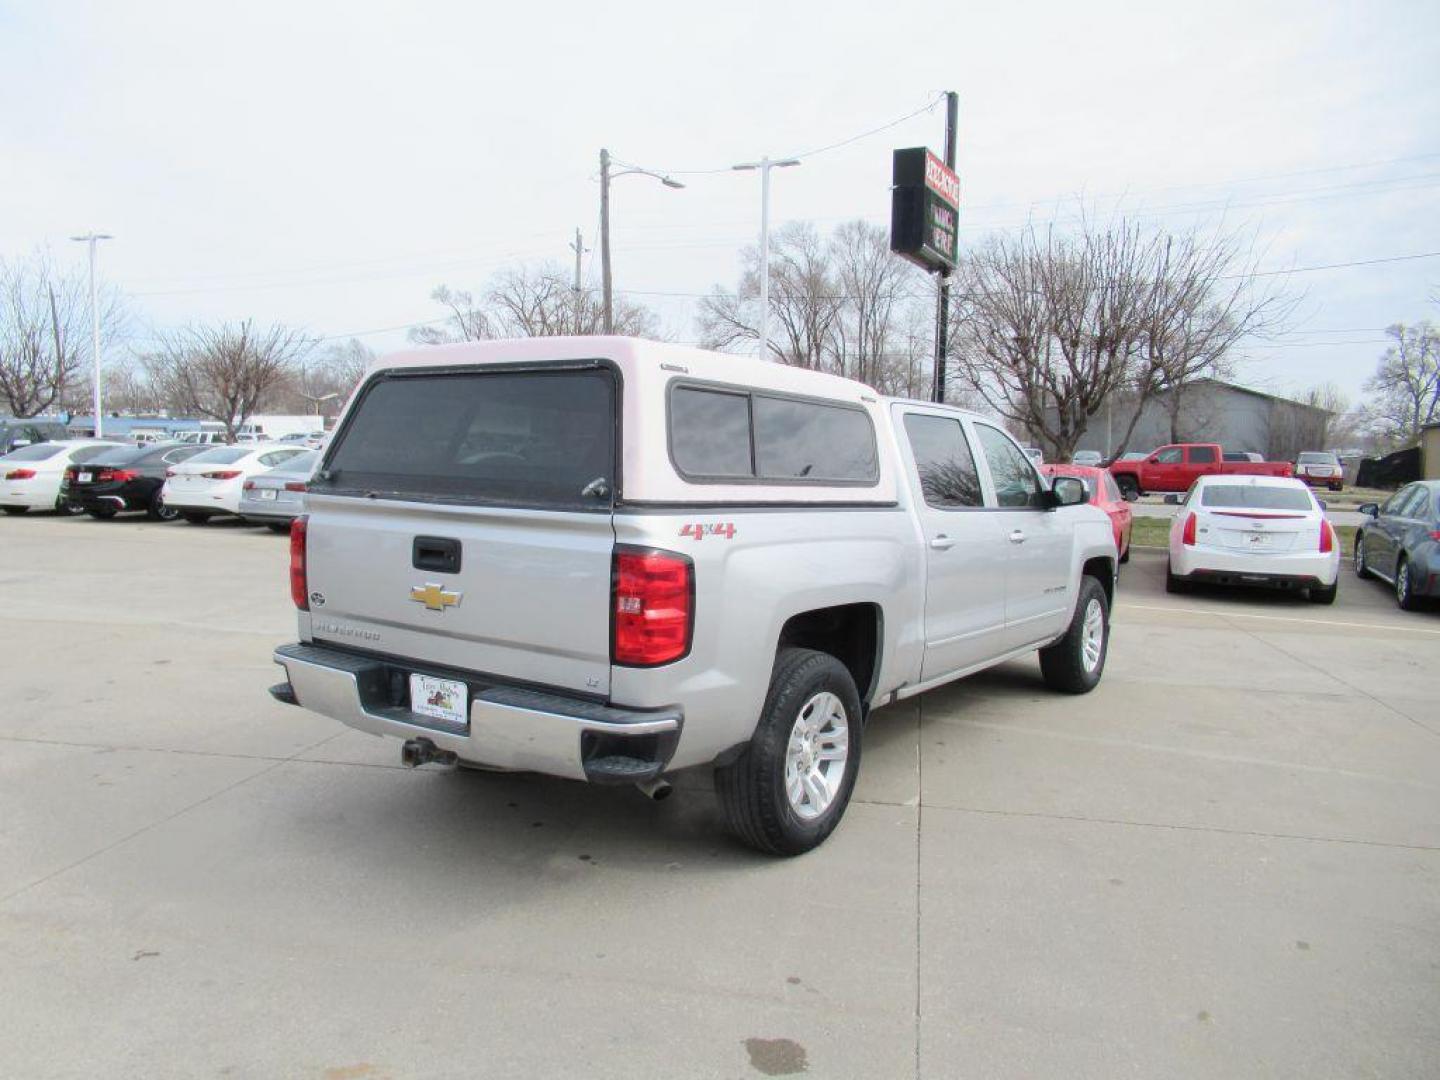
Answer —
(1129, 488)
(1075, 663)
(1404, 587)
(69, 509)
(788, 789)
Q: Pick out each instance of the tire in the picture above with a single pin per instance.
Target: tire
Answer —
(158, 511)
(69, 509)
(1404, 588)
(806, 688)
(1126, 557)
(102, 515)
(1323, 594)
(1177, 586)
(14, 509)
(1129, 488)
(1074, 664)
(1362, 568)
(194, 517)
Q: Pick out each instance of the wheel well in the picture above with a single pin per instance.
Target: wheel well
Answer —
(1103, 571)
(849, 632)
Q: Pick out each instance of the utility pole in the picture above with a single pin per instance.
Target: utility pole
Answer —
(605, 177)
(609, 323)
(91, 239)
(579, 248)
(942, 316)
(765, 165)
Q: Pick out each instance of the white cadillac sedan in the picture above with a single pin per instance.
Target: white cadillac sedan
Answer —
(1253, 530)
(31, 477)
(212, 481)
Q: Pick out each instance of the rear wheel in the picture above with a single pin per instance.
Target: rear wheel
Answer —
(1129, 488)
(14, 509)
(1323, 594)
(195, 517)
(1174, 583)
(788, 789)
(64, 507)
(1404, 587)
(1075, 663)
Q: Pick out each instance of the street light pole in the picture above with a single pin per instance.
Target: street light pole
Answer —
(605, 177)
(765, 165)
(91, 239)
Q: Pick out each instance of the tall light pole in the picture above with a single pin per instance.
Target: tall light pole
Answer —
(765, 165)
(605, 177)
(91, 239)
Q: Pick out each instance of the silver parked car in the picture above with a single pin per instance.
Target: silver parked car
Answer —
(1089, 458)
(277, 497)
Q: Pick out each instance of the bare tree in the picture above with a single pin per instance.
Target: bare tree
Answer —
(1404, 393)
(878, 291)
(225, 372)
(45, 333)
(531, 302)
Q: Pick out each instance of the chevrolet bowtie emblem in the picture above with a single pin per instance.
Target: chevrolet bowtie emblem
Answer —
(434, 596)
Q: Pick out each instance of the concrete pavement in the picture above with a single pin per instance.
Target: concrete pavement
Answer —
(1223, 862)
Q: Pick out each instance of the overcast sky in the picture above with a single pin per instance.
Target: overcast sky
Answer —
(329, 164)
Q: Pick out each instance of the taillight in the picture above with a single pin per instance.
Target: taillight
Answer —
(653, 607)
(295, 485)
(299, 579)
(223, 474)
(1188, 536)
(1327, 538)
(249, 485)
(1435, 535)
(20, 474)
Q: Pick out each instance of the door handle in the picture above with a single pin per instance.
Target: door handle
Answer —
(1017, 537)
(942, 542)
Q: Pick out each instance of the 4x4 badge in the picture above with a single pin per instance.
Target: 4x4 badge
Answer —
(434, 596)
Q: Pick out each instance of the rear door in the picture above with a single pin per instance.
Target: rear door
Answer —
(462, 518)
(965, 550)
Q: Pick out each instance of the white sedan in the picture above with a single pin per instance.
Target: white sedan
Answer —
(1253, 530)
(211, 482)
(30, 477)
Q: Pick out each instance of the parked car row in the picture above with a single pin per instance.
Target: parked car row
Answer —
(164, 481)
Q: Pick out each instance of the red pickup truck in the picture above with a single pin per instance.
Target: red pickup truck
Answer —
(1176, 467)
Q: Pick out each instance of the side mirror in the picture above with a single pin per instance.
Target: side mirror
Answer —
(1069, 491)
(1172, 499)
(1372, 509)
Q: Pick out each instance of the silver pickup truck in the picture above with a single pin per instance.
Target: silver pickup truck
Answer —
(609, 559)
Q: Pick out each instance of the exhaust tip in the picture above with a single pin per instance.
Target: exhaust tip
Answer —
(657, 790)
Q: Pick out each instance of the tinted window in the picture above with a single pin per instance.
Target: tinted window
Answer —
(806, 440)
(1318, 459)
(179, 453)
(277, 457)
(123, 456)
(38, 452)
(1015, 480)
(87, 454)
(710, 432)
(515, 438)
(221, 455)
(1171, 455)
(948, 478)
(1409, 502)
(302, 462)
(1202, 455)
(1256, 497)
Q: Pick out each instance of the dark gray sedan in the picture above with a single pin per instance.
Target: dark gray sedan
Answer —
(1401, 544)
(277, 497)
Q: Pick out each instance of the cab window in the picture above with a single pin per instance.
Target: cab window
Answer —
(1202, 455)
(1171, 455)
(948, 477)
(1017, 485)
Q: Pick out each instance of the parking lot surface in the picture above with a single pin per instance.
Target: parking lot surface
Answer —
(1225, 862)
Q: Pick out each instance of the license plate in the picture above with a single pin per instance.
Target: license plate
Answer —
(442, 699)
(83, 478)
(1259, 540)
(267, 493)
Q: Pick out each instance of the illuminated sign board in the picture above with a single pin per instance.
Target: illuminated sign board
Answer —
(924, 209)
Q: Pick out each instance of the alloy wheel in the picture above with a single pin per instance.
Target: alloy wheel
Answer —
(816, 755)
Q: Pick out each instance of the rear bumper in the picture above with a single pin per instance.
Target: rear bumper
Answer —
(509, 728)
(1280, 570)
(269, 510)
